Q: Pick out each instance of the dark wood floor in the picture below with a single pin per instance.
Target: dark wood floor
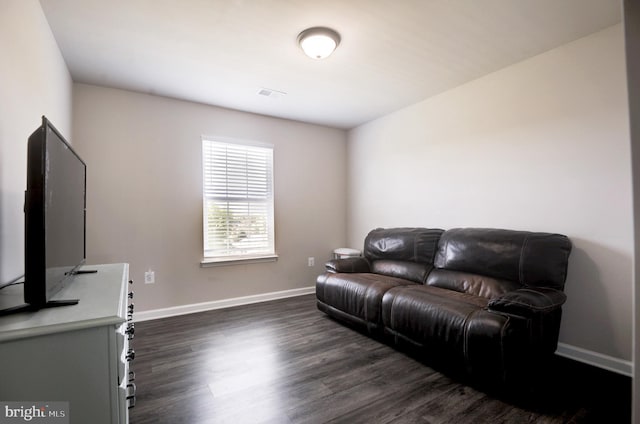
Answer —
(286, 362)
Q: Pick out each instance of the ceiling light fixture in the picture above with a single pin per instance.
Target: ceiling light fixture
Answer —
(318, 42)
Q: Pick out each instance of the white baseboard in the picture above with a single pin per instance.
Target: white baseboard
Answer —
(219, 304)
(596, 359)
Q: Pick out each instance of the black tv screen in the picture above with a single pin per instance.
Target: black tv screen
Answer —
(55, 214)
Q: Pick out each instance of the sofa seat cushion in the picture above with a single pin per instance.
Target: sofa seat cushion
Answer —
(431, 317)
(357, 294)
(402, 269)
(474, 284)
(457, 329)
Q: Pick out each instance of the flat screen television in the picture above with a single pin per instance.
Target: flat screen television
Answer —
(55, 217)
(55, 214)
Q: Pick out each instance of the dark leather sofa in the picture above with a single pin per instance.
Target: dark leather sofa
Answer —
(483, 302)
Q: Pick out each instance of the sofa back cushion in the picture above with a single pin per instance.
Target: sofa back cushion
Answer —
(405, 244)
(527, 258)
(402, 252)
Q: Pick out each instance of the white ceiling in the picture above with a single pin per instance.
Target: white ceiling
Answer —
(393, 52)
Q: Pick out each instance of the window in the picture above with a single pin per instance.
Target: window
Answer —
(237, 200)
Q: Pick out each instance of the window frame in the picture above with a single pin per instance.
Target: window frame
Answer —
(253, 257)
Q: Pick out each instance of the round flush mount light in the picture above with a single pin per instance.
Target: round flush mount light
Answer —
(318, 42)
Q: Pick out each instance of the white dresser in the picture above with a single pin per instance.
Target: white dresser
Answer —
(78, 354)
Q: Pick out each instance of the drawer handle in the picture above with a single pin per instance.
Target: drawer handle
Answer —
(131, 395)
(130, 331)
(131, 390)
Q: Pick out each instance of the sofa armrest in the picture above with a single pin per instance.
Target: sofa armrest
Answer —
(527, 302)
(358, 264)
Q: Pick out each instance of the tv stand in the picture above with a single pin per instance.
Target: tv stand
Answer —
(16, 309)
(79, 355)
(27, 307)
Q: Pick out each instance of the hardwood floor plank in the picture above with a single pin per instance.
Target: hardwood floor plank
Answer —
(285, 362)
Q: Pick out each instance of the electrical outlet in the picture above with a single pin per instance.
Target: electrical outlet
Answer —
(149, 277)
(311, 261)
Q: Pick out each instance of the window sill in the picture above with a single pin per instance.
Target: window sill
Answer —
(211, 262)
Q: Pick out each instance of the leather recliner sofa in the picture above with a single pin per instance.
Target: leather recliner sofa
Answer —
(483, 302)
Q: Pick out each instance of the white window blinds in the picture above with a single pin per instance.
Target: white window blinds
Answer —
(237, 200)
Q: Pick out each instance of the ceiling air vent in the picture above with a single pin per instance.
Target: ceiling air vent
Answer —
(272, 94)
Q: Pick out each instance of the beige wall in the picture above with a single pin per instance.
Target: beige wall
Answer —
(144, 204)
(541, 145)
(34, 81)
